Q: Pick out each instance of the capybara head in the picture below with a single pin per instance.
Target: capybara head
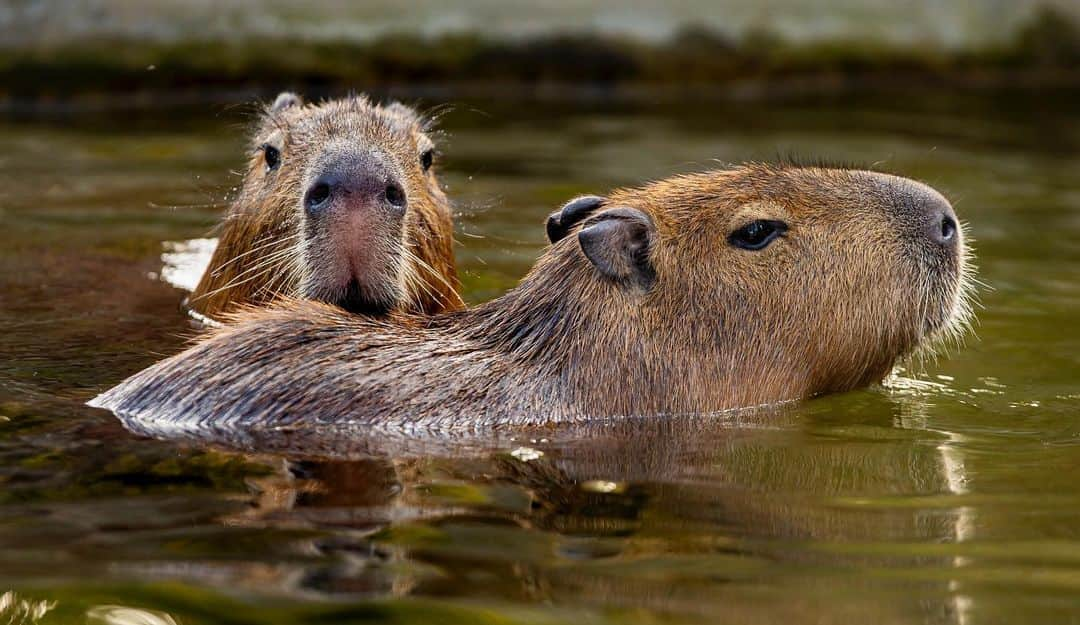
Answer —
(791, 281)
(340, 203)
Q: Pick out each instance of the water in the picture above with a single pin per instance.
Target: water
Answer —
(947, 496)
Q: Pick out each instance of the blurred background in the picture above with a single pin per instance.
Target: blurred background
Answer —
(947, 495)
(202, 48)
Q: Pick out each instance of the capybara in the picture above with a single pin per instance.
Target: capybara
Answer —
(699, 293)
(340, 203)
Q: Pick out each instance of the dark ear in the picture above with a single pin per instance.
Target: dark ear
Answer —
(285, 99)
(571, 214)
(617, 241)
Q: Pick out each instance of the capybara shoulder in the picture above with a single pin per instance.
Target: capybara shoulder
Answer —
(695, 294)
(340, 202)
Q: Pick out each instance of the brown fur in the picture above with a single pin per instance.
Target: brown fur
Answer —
(831, 306)
(260, 253)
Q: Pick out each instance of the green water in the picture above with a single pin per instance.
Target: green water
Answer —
(953, 498)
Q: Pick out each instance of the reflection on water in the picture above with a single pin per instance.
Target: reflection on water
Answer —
(120, 615)
(15, 610)
(946, 495)
(183, 262)
(619, 510)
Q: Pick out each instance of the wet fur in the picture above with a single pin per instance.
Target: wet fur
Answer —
(829, 307)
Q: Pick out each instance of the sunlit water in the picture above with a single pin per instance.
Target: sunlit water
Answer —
(949, 495)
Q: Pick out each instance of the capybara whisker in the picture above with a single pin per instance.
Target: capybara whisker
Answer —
(262, 244)
(266, 266)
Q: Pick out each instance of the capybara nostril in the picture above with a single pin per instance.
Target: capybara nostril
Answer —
(926, 216)
(941, 227)
(947, 230)
(317, 196)
(395, 196)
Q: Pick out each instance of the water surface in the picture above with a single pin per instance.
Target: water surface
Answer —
(947, 496)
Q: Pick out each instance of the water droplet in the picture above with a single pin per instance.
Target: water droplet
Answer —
(526, 454)
(602, 486)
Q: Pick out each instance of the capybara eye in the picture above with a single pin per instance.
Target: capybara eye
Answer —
(757, 234)
(272, 156)
(426, 159)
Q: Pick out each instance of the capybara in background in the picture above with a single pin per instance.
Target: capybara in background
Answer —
(340, 203)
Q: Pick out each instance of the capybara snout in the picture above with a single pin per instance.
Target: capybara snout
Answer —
(923, 213)
(935, 244)
(354, 179)
(353, 221)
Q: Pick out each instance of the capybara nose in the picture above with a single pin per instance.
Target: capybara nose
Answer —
(353, 188)
(940, 221)
(924, 213)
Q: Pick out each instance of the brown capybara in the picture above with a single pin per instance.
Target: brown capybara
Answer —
(694, 294)
(340, 203)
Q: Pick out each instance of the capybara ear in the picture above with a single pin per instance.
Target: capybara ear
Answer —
(571, 214)
(404, 110)
(617, 242)
(285, 100)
